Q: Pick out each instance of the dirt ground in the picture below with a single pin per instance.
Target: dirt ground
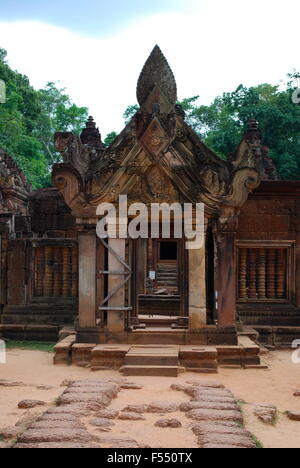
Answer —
(274, 386)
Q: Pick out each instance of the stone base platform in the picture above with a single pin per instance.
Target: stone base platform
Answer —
(41, 320)
(157, 359)
(160, 335)
(277, 337)
(22, 332)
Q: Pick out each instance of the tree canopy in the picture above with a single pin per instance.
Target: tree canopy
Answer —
(29, 118)
(222, 123)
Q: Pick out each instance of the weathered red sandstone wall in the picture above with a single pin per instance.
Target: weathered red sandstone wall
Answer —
(273, 213)
(51, 217)
(269, 220)
(39, 274)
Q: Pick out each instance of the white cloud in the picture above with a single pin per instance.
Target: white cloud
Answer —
(211, 49)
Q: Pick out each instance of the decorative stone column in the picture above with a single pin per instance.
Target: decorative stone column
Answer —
(197, 287)
(226, 266)
(87, 285)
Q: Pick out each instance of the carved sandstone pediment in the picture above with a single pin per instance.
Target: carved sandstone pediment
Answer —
(156, 158)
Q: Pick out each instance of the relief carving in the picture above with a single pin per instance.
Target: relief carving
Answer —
(157, 157)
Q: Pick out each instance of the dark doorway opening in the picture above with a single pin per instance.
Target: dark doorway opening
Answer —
(168, 251)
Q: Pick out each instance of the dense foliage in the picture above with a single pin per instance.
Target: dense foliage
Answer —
(29, 119)
(222, 123)
(110, 138)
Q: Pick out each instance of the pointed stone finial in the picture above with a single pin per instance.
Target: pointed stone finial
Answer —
(252, 124)
(90, 134)
(252, 130)
(90, 123)
(156, 74)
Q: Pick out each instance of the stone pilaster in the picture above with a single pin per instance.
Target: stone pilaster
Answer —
(226, 228)
(87, 279)
(197, 287)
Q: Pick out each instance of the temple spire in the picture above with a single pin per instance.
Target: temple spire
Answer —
(252, 124)
(90, 135)
(156, 74)
(252, 132)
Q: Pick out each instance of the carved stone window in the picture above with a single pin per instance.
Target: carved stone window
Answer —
(55, 271)
(265, 271)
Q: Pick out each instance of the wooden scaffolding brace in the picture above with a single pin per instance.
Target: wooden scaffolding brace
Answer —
(127, 273)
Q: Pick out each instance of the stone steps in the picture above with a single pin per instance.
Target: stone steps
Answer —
(199, 359)
(167, 271)
(157, 354)
(144, 371)
(164, 277)
(167, 276)
(166, 267)
(167, 283)
(153, 304)
(155, 361)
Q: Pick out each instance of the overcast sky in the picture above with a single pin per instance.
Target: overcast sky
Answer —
(96, 49)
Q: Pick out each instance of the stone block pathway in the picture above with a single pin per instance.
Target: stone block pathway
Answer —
(87, 416)
(218, 421)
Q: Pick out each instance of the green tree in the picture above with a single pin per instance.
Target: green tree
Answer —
(29, 119)
(222, 123)
(58, 114)
(129, 112)
(110, 138)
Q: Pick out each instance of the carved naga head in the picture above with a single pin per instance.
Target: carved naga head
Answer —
(62, 141)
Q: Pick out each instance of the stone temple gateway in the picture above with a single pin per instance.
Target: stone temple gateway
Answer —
(57, 273)
(156, 159)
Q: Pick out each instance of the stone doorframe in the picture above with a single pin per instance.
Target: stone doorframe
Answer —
(119, 274)
(145, 259)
